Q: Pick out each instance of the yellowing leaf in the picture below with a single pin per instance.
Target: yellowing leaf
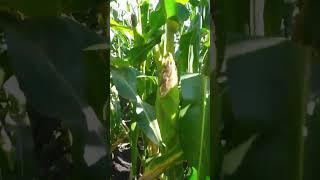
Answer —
(182, 1)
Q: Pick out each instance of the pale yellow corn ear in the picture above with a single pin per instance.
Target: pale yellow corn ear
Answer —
(169, 75)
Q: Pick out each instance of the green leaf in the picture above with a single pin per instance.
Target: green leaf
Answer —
(157, 18)
(125, 82)
(147, 87)
(138, 54)
(266, 85)
(167, 114)
(194, 2)
(117, 130)
(124, 29)
(119, 63)
(189, 45)
(232, 160)
(269, 59)
(147, 121)
(183, 54)
(182, 1)
(170, 8)
(159, 164)
(194, 174)
(196, 40)
(194, 88)
(144, 10)
(182, 13)
(153, 79)
(52, 73)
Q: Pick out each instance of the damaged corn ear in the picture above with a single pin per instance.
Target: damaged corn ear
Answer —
(169, 75)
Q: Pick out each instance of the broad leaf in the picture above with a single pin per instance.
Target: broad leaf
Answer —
(125, 82)
(233, 159)
(46, 56)
(170, 8)
(159, 164)
(189, 45)
(195, 121)
(266, 84)
(157, 18)
(182, 1)
(139, 53)
(124, 29)
(182, 13)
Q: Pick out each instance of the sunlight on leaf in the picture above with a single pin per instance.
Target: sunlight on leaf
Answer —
(233, 159)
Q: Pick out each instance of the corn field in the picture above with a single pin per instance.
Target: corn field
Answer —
(159, 89)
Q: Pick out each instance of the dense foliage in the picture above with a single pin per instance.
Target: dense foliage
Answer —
(160, 86)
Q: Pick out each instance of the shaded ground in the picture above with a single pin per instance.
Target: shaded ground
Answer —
(121, 162)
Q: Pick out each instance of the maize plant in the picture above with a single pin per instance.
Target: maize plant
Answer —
(159, 68)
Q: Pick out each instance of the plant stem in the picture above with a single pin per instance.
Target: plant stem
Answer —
(169, 47)
(134, 149)
(169, 41)
(203, 121)
(206, 64)
(163, 163)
